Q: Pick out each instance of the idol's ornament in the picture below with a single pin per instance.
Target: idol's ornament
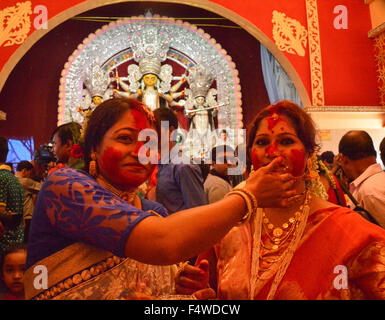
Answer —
(150, 80)
(201, 107)
(97, 89)
(148, 58)
(97, 86)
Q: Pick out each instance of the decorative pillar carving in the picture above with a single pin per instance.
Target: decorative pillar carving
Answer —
(317, 86)
(378, 36)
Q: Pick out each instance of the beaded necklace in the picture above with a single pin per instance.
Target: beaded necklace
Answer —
(296, 230)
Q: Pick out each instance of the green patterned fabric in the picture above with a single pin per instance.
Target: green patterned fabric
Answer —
(12, 198)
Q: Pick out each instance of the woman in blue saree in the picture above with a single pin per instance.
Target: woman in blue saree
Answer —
(98, 240)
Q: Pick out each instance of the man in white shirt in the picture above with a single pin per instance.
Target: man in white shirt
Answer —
(217, 183)
(366, 177)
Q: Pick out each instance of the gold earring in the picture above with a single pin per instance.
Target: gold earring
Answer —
(92, 168)
(311, 168)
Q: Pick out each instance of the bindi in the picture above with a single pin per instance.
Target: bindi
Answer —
(272, 121)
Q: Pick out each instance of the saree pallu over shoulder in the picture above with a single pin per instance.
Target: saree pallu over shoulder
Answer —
(82, 272)
(337, 242)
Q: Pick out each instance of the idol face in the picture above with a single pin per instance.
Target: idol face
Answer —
(97, 100)
(200, 101)
(117, 155)
(276, 137)
(150, 80)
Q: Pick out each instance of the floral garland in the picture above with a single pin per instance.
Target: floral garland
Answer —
(313, 181)
(327, 174)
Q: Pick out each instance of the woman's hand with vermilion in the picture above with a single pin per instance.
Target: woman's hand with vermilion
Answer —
(271, 186)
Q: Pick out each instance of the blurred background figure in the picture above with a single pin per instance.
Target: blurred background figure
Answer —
(68, 152)
(365, 175)
(332, 186)
(11, 203)
(218, 184)
(327, 158)
(24, 172)
(179, 186)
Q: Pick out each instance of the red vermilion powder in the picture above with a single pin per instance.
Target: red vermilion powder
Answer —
(125, 178)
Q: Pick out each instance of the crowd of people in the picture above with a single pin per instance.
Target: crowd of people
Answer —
(107, 226)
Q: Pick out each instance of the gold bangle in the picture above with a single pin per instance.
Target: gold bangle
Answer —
(250, 195)
(250, 201)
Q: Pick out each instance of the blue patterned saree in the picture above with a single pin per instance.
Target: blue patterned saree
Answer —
(78, 233)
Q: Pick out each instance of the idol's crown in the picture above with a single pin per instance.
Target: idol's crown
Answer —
(97, 81)
(200, 81)
(150, 46)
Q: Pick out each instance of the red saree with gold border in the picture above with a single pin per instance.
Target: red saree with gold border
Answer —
(333, 237)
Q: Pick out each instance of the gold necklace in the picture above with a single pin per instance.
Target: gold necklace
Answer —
(279, 238)
(130, 197)
(282, 233)
(286, 256)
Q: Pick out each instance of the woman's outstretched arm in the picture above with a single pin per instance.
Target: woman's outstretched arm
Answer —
(189, 232)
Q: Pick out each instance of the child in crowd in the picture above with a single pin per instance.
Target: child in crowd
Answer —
(12, 265)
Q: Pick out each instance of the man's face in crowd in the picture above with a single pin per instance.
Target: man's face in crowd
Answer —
(348, 167)
(61, 151)
(224, 160)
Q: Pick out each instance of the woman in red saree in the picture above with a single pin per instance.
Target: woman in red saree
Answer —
(312, 250)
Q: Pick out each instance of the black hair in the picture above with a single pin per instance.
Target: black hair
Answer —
(327, 156)
(163, 103)
(11, 249)
(24, 165)
(205, 169)
(67, 132)
(357, 144)
(165, 114)
(3, 149)
(218, 149)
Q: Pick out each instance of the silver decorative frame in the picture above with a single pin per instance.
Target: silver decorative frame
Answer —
(113, 38)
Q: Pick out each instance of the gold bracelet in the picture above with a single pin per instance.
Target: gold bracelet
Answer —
(251, 203)
(250, 195)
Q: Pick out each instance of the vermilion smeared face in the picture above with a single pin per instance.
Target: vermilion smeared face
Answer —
(117, 155)
(277, 137)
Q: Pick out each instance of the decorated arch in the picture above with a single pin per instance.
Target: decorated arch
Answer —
(189, 45)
